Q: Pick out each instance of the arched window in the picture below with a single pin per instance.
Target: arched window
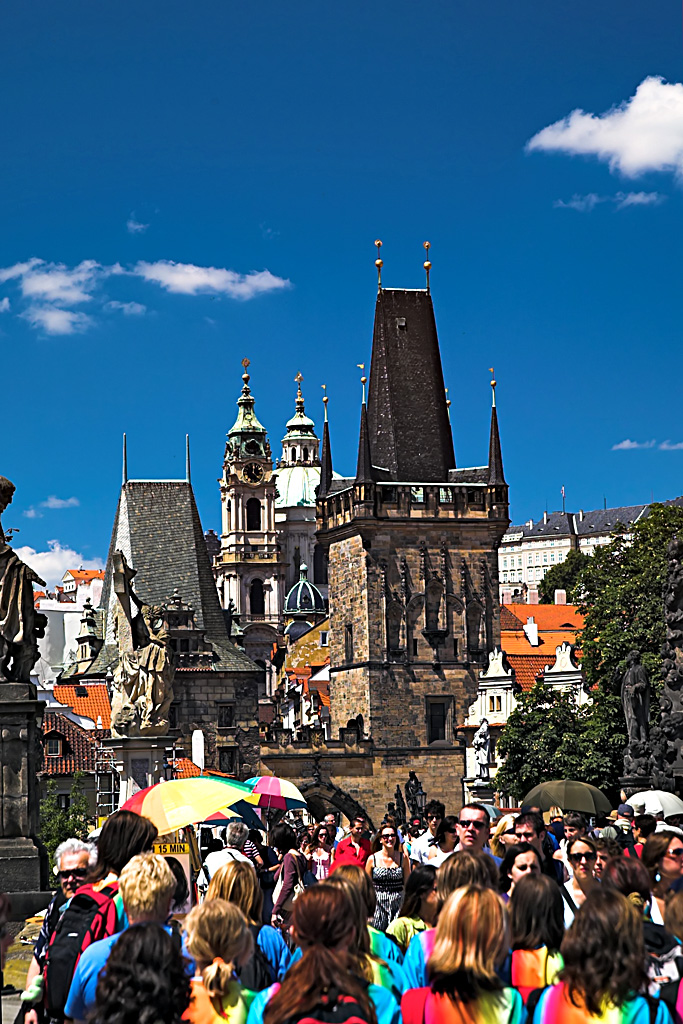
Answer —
(305, 454)
(293, 454)
(253, 514)
(257, 601)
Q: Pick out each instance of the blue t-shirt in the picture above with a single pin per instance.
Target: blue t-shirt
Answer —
(275, 950)
(386, 1007)
(81, 998)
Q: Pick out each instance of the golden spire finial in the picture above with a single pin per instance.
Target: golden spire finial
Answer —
(325, 399)
(364, 379)
(493, 386)
(379, 263)
(448, 404)
(427, 265)
(299, 397)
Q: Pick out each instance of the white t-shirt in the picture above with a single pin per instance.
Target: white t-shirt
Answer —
(216, 860)
(420, 847)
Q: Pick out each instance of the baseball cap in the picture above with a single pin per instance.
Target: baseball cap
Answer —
(626, 811)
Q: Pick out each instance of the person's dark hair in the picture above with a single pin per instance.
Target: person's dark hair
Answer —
(610, 846)
(536, 914)
(146, 979)
(629, 877)
(420, 883)
(215, 845)
(603, 951)
(435, 807)
(530, 818)
(124, 835)
(283, 838)
(477, 807)
(586, 840)
(322, 920)
(575, 820)
(511, 855)
(646, 824)
(446, 825)
(359, 817)
(182, 889)
(654, 848)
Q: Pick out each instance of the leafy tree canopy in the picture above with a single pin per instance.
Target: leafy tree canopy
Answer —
(57, 824)
(563, 576)
(621, 588)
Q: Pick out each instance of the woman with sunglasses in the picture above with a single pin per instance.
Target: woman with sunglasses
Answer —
(319, 851)
(582, 855)
(663, 858)
(446, 839)
(389, 869)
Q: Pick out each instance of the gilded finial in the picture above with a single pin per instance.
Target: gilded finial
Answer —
(325, 399)
(493, 386)
(299, 397)
(427, 265)
(448, 404)
(379, 263)
(364, 379)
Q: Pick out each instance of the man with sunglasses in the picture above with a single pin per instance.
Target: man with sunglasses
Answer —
(473, 828)
(421, 847)
(73, 859)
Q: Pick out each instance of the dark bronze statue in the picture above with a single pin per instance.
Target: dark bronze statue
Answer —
(21, 626)
(635, 699)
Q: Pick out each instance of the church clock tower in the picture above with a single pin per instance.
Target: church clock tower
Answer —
(248, 569)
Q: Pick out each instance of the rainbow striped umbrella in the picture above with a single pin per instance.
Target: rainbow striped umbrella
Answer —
(173, 805)
(278, 793)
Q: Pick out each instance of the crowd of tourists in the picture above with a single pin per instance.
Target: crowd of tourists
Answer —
(531, 918)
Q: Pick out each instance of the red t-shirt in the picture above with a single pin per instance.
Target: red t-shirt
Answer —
(348, 853)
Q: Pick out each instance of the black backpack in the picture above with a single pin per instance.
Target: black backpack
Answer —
(258, 973)
(626, 840)
(90, 916)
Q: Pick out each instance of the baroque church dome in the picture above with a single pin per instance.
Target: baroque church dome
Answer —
(304, 598)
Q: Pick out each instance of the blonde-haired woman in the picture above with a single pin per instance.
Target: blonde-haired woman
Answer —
(470, 944)
(503, 836)
(237, 883)
(219, 940)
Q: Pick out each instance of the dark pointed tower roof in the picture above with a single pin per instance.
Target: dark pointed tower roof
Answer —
(496, 475)
(408, 426)
(364, 473)
(326, 458)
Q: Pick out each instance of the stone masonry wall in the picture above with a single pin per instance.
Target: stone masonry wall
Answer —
(198, 695)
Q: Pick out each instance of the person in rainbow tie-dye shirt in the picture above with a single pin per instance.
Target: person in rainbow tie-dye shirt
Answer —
(604, 970)
(471, 940)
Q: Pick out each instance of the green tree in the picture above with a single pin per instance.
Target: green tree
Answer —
(57, 824)
(564, 576)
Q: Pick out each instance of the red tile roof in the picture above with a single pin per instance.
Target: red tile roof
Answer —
(518, 643)
(95, 703)
(85, 575)
(79, 746)
(184, 768)
(546, 616)
(527, 667)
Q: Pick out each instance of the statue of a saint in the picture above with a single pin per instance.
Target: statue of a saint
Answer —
(21, 625)
(413, 787)
(635, 699)
(481, 741)
(143, 679)
(400, 806)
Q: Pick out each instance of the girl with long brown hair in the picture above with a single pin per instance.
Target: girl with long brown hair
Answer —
(604, 970)
(663, 858)
(327, 982)
(471, 942)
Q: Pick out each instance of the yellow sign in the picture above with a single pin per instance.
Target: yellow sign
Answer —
(171, 849)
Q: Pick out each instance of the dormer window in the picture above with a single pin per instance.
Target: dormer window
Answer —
(53, 745)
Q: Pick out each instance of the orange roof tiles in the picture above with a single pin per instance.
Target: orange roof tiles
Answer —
(526, 668)
(518, 643)
(95, 703)
(546, 616)
(184, 768)
(85, 575)
(79, 746)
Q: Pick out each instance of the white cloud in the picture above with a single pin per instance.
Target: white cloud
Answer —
(53, 563)
(127, 308)
(188, 279)
(57, 321)
(33, 513)
(671, 446)
(641, 134)
(621, 200)
(54, 282)
(18, 270)
(4, 305)
(627, 446)
(54, 502)
(134, 226)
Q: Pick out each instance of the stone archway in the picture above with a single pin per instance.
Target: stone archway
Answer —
(319, 795)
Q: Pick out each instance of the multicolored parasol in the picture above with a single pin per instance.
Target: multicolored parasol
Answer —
(173, 805)
(241, 811)
(277, 793)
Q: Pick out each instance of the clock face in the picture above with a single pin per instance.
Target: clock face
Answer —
(253, 473)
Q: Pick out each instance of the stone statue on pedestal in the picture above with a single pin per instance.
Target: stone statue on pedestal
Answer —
(667, 737)
(635, 699)
(400, 806)
(481, 741)
(143, 678)
(21, 625)
(413, 787)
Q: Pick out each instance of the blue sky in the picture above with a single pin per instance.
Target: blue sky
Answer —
(144, 144)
